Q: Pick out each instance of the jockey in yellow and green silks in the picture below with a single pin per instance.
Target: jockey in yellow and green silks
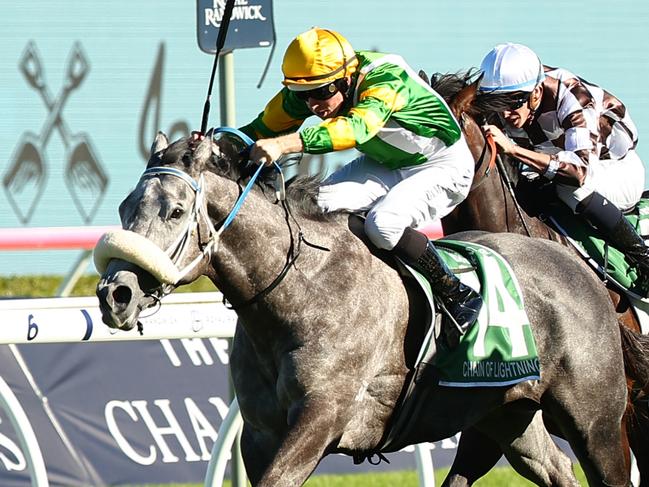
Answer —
(415, 164)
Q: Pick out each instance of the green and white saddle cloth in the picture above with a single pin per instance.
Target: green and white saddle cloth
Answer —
(499, 349)
(607, 260)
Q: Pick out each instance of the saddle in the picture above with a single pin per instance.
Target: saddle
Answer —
(610, 263)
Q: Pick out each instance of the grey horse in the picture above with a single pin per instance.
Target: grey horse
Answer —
(323, 349)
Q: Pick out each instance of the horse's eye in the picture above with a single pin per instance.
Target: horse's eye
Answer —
(177, 213)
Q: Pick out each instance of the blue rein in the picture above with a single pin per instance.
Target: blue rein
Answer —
(196, 186)
(249, 143)
(237, 206)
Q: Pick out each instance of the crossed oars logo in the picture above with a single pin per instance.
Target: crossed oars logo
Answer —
(25, 179)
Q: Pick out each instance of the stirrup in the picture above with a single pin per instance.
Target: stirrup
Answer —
(452, 333)
(452, 319)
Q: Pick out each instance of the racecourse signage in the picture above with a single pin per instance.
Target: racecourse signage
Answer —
(28, 170)
(130, 413)
(251, 24)
(117, 413)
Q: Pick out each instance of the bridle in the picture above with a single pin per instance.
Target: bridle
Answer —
(494, 161)
(177, 250)
(490, 145)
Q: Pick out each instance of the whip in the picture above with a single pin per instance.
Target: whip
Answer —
(220, 41)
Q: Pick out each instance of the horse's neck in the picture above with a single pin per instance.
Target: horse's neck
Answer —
(252, 250)
(490, 207)
(258, 247)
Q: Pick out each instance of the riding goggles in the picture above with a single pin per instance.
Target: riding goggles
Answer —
(516, 104)
(322, 93)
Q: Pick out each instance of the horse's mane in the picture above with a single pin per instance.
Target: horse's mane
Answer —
(301, 191)
(459, 89)
(449, 84)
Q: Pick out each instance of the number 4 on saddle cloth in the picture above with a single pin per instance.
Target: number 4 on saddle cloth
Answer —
(610, 263)
(499, 349)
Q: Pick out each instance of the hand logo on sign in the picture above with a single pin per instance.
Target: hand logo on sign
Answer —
(25, 179)
(150, 118)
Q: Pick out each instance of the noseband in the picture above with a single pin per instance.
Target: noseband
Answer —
(176, 251)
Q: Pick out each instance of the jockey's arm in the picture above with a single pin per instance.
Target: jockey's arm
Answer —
(275, 129)
(538, 161)
(569, 166)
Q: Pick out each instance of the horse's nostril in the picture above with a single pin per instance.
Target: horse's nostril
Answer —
(122, 295)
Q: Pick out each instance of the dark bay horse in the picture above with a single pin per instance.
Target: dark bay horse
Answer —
(323, 348)
(497, 203)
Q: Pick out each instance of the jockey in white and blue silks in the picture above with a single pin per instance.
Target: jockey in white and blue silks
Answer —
(572, 133)
(415, 164)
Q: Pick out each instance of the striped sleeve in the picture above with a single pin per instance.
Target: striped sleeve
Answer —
(579, 119)
(380, 96)
(284, 114)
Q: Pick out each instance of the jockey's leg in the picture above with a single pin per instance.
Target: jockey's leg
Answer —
(356, 186)
(423, 193)
(611, 186)
(462, 302)
(616, 229)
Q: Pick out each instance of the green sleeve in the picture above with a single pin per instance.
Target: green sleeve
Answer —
(283, 114)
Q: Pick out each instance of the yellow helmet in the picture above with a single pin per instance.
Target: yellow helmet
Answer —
(317, 57)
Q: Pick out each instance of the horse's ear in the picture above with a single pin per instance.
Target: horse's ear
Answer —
(203, 151)
(160, 143)
(462, 102)
(424, 76)
(227, 148)
(215, 148)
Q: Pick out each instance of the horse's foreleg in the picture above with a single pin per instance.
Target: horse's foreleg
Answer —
(257, 449)
(476, 455)
(287, 460)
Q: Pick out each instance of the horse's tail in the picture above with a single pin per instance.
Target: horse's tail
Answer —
(635, 348)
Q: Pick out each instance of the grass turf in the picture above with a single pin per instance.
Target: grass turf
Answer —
(498, 477)
(46, 286)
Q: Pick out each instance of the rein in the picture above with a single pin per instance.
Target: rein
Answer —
(496, 161)
(491, 145)
(508, 182)
(291, 256)
(179, 247)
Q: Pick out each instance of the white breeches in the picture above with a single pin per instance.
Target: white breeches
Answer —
(620, 181)
(400, 198)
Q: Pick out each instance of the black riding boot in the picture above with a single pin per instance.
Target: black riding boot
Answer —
(616, 229)
(462, 303)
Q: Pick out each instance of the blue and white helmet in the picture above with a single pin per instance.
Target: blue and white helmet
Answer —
(510, 67)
